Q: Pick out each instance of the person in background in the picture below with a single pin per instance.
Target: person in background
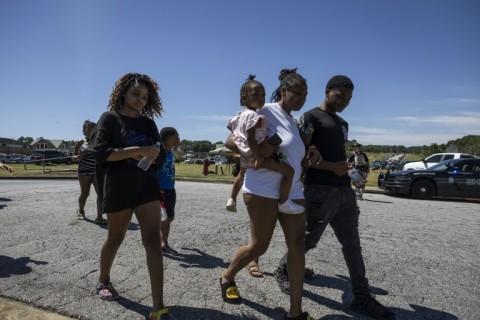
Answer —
(359, 160)
(166, 177)
(126, 134)
(87, 172)
(262, 191)
(99, 175)
(206, 164)
(329, 197)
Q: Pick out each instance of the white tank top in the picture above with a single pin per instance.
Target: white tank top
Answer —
(266, 183)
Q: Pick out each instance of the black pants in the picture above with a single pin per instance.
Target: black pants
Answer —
(336, 206)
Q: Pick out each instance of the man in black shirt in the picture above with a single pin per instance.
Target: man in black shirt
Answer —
(329, 197)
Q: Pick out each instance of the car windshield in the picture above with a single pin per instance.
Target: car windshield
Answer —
(442, 166)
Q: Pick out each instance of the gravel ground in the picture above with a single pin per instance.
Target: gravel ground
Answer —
(422, 259)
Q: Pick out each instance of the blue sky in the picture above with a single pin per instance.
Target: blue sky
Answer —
(415, 64)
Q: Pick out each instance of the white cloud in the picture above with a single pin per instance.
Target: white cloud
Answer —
(464, 100)
(455, 101)
(460, 119)
(415, 131)
(370, 130)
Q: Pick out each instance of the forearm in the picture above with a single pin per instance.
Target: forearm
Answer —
(323, 165)
(124, 153)
(230, 144)
(340, 168)
(254, 148)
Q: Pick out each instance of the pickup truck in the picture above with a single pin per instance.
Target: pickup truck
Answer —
(434, 159)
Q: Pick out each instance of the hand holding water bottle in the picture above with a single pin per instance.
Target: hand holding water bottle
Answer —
(146, 161)
(357, 178)
(84, 146)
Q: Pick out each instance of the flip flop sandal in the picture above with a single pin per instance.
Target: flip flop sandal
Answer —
(107, 292)
(254, 270)
(230, 292)
(101, 221)
(309, 273)
(80, 216)
(162, 314)
(303, 316)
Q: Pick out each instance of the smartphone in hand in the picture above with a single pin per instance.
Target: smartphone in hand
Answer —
(274, 139)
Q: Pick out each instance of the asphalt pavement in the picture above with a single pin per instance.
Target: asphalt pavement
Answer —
(422, 259)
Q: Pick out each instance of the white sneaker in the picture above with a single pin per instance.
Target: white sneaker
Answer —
(231, 205)
(290, 207)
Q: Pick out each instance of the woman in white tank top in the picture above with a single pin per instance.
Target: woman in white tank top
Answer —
(261, 194)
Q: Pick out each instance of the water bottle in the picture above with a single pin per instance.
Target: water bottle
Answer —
(163, 215)
(356, 177)
(145, 162)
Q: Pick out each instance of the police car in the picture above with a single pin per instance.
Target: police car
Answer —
(450, 178)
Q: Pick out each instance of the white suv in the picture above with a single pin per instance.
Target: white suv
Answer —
(434, 159)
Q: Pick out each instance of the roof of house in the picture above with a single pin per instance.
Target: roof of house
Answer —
(10, 141)
(7, 140)
(55, 143)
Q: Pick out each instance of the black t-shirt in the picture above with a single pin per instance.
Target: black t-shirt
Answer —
(126, 185)
(330, 133)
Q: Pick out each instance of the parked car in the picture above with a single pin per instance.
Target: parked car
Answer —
(188, 160)
(450, 178)
(50, 156)
(434, 159)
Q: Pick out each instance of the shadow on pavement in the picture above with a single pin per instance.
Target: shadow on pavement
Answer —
(377, 201)
(420, 312)
(198, 259)
(134, 306)
(10, 266)
(183, 312)
(4, 200)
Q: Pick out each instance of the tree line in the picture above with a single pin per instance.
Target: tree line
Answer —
(467, 144)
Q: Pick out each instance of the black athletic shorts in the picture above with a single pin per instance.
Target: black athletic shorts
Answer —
(169, 200)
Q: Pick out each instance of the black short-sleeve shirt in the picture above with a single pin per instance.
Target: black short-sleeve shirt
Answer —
(126, 185)
(329, 134)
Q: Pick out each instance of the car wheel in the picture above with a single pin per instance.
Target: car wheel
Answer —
(381, 180)
(423, 189)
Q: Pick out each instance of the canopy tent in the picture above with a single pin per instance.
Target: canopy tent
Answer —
(224, 151)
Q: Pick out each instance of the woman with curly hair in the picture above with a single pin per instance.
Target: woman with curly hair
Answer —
(125, 134)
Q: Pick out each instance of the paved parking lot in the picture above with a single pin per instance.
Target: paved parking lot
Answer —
(422, 258)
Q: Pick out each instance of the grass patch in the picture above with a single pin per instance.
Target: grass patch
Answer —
(182, 170)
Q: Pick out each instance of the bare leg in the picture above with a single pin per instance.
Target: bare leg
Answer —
(148, 216)
(99, 203)
(85, 183)
(294, 229)
(237, 184)
(286, 171)
(165, 228)
(117, 227)
(263, 218)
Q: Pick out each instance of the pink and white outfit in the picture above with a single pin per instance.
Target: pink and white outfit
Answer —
(239, 125)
